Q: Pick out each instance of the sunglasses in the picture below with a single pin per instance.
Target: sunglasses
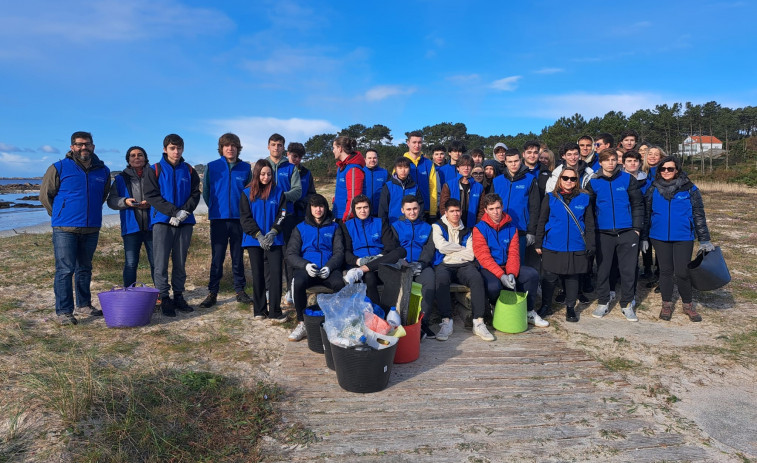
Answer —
(597, 144)
(477, 173)
(565, 178)
(667, 169)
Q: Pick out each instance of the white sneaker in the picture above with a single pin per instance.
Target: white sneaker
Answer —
(299, 333)
(612, 297)
(629, 312)
(601, 310)
(445, 329)
(289, 298)
(536, 320)
(479, 329)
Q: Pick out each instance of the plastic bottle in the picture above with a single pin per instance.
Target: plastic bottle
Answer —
(377, 341)
(393, 318)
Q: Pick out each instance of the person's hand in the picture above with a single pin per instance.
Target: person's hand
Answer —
(268, 239)
(143, 205)
(174, 222)
(706, 246)
(644, 246)
(530, 239)
(130, 202)
(182, 215)
(312, 270)
(367, 260)
(508, 280)
(324, 273)
(417, 268)
(538, 251)
(353, 275)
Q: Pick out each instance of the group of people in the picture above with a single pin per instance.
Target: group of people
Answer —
(515, 222)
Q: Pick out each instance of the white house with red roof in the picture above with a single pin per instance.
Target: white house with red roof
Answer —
(695, 144)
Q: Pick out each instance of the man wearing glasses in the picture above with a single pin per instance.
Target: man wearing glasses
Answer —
(603, 141)
(73, 191)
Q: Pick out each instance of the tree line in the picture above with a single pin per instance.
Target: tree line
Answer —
(665, 125)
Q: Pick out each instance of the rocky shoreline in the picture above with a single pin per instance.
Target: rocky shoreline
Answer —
(18, 188)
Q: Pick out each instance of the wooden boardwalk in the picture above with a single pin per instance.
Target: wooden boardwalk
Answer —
(524, 397)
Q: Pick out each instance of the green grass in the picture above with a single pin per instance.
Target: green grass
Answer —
(620, 364)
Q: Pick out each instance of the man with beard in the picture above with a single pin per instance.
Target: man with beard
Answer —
(73, 191)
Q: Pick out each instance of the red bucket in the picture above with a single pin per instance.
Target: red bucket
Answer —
(409, 346)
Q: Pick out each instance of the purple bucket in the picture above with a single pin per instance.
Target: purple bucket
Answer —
(128, 307)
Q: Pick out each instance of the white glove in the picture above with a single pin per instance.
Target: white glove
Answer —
(706, 246)
(174, 222)
(312, 270)
(644, 246)
(182, 215)
(508, 279)
(324, 273)
(353, 275)
(530, 240)
(368, 260)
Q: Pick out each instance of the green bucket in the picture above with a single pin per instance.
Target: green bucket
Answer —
(510, 312)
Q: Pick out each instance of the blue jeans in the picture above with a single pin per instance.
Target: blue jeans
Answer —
(226, 233)
(73, 264)
(132, 247)
(527, 281)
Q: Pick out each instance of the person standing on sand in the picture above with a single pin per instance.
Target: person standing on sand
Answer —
(350, 177)
(73, 191)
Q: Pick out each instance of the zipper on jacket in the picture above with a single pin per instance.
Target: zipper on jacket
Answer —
(612, 205)
(86, 179)
(228, 193)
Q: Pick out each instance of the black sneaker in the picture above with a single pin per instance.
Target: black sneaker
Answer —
(166, 307)
(67, 319)
(209, 301)
(582, 298)
(180, 304)
(545, 311)
(427, 333)
(587, 286)
(243, 298)
(278, 319)
(89, 310)
(560, 297)
(570, 315)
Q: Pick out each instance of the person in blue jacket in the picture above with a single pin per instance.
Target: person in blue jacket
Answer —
(399, 185)
(127, 197)
(73, 191)
(316, 253)
(222, 186)
(262, 211)
(375, 178)
(414, 235)
(172, 187)
(368, 242)
(464, 189)
(674, 218)
(565, 241)
(619, 210)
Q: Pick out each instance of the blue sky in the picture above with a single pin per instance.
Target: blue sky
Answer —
(133, 71)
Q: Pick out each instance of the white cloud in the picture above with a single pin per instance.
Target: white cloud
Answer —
(254, 131)
(48, 149)
(549, 71)
(7, 147)
(508, 84)
(382, 92)
(16, 165)
(591, 104)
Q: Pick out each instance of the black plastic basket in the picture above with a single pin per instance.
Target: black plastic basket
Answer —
(327, 348)
(313, 328)
(363, 369)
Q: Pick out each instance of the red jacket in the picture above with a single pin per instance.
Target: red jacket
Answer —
(354, 182)
(484, 255)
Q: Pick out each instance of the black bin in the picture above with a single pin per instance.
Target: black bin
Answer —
(327, 348)
(313, 328)
(362, 368)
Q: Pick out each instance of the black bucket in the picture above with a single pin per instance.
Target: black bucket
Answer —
(327, 348)
(708, 270)
(362, 368)
(313, 328)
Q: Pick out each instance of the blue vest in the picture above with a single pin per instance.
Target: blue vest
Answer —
(340, 193)
(284, 180)
(464, 234)
(412, 236)
(175, 187)
(498, 241)
(396, 193)
(613, 206)
(447, 172)
(305, 179)
(561, 233)
(514, 198)
(79, 202)
(265, 213)
(374, 181)
(226, 187)
(474, 197)
(129, 223)
(672, 220)
(366, 236)
(421, 175)
(317, 242)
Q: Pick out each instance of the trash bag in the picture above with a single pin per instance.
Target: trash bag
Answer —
(344, 314)
(708, 271)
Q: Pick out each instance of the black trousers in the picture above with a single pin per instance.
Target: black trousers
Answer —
(673, 258)
(303, 281)
(569, 282)
(626, 246)
(226, 233)
(465, 274)
(372, 281)
(261, 281)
